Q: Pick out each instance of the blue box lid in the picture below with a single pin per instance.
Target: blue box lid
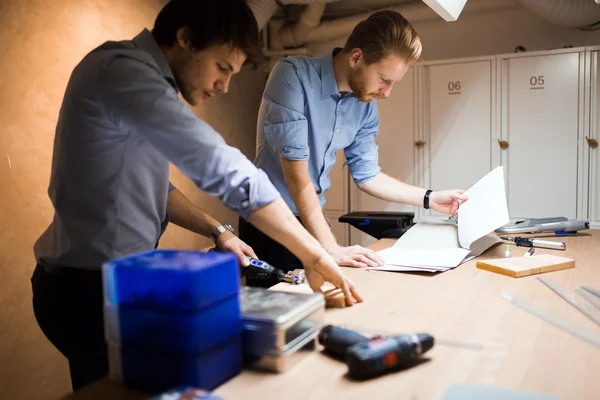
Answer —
(186, 393)
(171, 280)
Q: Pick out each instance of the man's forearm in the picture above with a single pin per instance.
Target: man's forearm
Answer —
(386, 188)
(307, 203)
(277, 221)
(312, 216)
(184, 213)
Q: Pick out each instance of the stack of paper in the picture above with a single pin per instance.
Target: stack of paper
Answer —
(434, 245)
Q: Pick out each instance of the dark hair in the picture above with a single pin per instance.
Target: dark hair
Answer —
(382, 34)
(211, 22)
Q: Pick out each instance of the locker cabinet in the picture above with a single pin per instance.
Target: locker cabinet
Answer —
(448, 123)
(591, 152)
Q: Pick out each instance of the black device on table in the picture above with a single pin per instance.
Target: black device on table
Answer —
(380, 224)
(370, 357)
(261, 269)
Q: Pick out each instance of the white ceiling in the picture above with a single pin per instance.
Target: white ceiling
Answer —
(341, 8)
(345, 8)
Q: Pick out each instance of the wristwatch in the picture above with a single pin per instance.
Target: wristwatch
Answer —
(220, 229)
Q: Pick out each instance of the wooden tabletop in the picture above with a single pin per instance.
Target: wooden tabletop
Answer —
(518, 350)
(480, 338)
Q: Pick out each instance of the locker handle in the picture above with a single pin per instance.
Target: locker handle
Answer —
(592, 142)
(420, 143)
(503, 144)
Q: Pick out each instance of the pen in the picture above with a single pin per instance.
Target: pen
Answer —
(528, 242)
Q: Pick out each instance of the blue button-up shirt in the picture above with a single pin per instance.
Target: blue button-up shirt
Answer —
(120, 124)
(303, 116)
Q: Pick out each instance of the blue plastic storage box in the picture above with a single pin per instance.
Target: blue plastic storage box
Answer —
(190, 332)
(171, 280)
(159, 371)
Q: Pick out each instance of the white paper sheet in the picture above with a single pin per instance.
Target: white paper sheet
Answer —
(430, 234)
(448, 258)
(486, 209)
(399, 268)
(439, 245)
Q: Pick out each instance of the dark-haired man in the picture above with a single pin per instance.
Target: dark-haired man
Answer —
(120, 124)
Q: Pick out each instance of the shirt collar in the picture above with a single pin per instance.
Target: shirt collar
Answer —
(329, 85)
(146, 42)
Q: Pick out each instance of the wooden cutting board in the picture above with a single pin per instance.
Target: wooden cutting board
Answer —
(518, 267)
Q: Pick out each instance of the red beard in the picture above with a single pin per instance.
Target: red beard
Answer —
(357, 84)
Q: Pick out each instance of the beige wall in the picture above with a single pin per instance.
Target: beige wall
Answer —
(41, 42)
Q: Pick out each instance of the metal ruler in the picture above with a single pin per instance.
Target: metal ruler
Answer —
(592, 314)
(553, 319)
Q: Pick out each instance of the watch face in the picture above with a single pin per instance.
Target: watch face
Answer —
(221, 229)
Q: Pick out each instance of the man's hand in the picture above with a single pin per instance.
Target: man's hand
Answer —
(447, 201)
(277, 221)
(326, 270)
(227, 241)
(356, 256)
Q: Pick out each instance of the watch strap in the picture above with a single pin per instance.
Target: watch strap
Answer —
(426, 199)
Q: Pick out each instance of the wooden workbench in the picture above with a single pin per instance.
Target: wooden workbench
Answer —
(516, 349)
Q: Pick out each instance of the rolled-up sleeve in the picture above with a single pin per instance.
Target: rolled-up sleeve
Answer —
(137, 97)
(362, 155)
(285, 126)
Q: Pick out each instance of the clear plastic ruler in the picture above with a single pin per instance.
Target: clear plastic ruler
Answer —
(593, 291)
(440, 342)
(593, 300)
(553, 319)
(582, 306)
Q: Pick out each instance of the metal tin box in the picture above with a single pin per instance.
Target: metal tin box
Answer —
(280, 328)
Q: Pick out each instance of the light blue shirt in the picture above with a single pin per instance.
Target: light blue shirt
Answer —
(120, 124)
(303, 116)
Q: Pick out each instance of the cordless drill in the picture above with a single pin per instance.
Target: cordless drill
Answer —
(370, 357)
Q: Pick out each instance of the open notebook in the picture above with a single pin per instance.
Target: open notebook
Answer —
(439, 245)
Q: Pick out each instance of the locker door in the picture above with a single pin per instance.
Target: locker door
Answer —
(397, 152)
(541, 124)
(460, 117)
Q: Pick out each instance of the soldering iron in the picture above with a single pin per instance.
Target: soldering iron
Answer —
(530, 242)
